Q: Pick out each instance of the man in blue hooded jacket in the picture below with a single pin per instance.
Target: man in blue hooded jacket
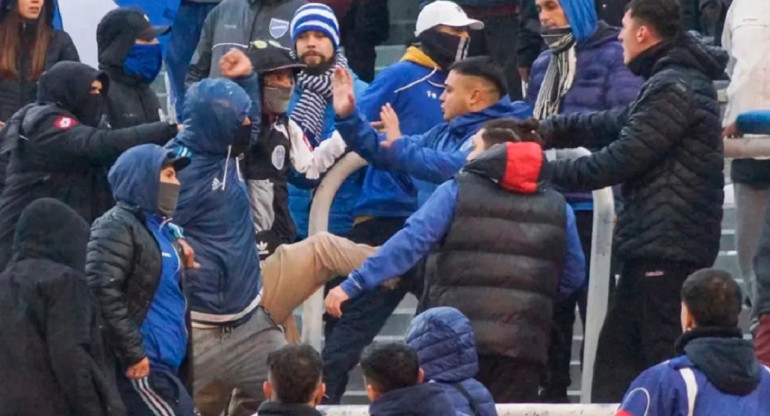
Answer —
(134, 267)
(715, 372)
(230, 327)
(581, 72)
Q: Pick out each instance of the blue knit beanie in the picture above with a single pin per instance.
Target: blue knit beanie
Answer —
(581, 15)
(318, 17)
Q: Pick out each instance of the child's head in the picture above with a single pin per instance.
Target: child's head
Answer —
(389, 367)
(294, 376)
(504, 130)
(710, 297)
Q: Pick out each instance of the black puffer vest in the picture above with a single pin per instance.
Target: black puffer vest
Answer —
(500, 262)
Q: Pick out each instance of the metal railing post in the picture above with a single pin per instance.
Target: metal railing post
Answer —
(749, 147)
(318, 221)
(504, 410)
(599, 272)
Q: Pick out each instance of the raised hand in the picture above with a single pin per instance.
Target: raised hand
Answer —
(235, 64)
(344, 100)
(390, 124)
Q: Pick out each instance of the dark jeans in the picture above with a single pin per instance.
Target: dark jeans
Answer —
(185, 33)
(362, 317)
(161, 393)
(508, 379)
(641, 327)
(558, 379)
(498, 40)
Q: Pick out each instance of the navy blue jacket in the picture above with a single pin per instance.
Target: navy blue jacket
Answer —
(444, 342)
(602, 82)
(412, 87)
(427, 399)
(434, 156)
(214, 206)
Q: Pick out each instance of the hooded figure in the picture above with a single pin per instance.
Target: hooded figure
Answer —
(134, 267)
(444, 342)
(131, 57)
(19, 88)
(51, 348)
(56, 151)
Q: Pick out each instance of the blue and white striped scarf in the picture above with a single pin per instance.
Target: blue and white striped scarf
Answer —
(316, 94)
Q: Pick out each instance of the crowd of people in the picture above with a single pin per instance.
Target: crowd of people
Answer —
(180, 298)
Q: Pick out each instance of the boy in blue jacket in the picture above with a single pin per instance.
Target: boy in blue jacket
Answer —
(500, 246)
(716, 372)
(445, 344)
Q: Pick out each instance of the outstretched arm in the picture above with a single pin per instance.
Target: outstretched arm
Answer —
(422, 231)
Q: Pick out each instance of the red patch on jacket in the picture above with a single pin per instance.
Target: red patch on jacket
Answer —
(65, 122)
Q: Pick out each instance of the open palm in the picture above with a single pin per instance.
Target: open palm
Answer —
(344, 101)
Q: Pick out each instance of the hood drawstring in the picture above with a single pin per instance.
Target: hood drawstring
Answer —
(227, 162)
(412, 84)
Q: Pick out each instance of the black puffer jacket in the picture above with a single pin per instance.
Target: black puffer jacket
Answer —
(665, 148)
(16, 93)
(499, 263)
(52, 356)
(129, 101)
(52, 154)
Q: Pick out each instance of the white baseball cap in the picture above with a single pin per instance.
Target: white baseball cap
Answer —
(445, 13)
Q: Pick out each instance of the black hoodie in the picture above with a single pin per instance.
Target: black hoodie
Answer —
(53, 153)
(130, 101)
(427, 399)
(666, 151)
(52, 357)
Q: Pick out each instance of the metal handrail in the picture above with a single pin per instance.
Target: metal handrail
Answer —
(504, 410)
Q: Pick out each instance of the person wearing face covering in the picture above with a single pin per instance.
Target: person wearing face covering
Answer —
(130, 55)
(281, 146)
(57, 151)
(54, 361)
(135, 269)
(582, 71)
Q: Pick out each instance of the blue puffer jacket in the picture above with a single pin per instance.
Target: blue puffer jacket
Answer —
(412, 87)
(444, 342)
(434, 156)
(601, 82)
(341, 213)
(214, 206)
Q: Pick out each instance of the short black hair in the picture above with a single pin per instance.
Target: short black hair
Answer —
(665, 16)
(503, 130)
(483, 67)
(294, 373)
(713, 298)
(390, 366)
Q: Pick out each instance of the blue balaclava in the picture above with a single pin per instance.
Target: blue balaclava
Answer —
(581, 15)
(144, 61)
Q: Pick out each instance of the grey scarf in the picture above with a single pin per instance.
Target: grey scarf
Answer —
(560, 73)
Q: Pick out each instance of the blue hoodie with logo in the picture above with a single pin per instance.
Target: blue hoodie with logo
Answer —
(434, 156)
(214, 206)
(135, 179)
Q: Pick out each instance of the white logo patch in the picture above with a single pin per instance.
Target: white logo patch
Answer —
(278, 157)
(217, 184)
(278, 28)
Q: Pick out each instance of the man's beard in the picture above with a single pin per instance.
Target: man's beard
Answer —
(319, 68)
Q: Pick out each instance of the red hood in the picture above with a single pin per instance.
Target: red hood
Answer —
(516, 167)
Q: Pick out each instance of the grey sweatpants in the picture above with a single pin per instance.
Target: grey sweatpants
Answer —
(750, 205)
(225, 359)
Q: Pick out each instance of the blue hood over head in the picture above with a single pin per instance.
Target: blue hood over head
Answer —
(135, 176)
(214, 110)
(445, 345)
(581, 15)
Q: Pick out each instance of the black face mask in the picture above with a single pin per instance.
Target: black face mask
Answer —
(168, 196)
(242, 140)
(443, 48)
(90, 111)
